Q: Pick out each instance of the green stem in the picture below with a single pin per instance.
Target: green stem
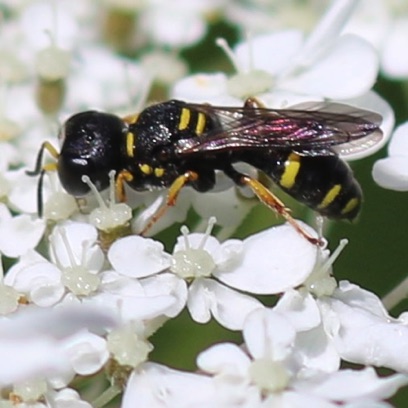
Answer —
(108, 395)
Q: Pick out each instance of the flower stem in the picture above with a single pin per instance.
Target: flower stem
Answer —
(396, 295)
(108, 395)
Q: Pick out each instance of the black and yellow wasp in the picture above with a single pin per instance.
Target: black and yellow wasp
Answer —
(175, 143)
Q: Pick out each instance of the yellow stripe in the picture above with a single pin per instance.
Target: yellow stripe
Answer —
(159, 171)
(292, 166)
(351, 205)
(130, 140)
(146, 169)
(184, 119)
(330, 196)
(200, 123)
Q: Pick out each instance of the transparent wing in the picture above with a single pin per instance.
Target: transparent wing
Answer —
(310, 128)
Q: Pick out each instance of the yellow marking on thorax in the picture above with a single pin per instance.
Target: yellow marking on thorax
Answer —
(146, 169)
(131, 119)
(292, 167)
(130, 142)
(330, 196)
(351, 205)
(200, 123)
(184, 118)
(159, 171)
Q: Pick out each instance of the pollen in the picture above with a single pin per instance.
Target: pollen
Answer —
(194, 262)
(108, 217)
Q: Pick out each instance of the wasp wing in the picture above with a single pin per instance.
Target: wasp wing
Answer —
(316, 129)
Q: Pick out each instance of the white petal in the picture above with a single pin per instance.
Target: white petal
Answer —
(268, 335)
(256, 53)
(361, 298)
(41, 281)
(229, 207)
(199, 302)
(167, 284)
(153, 202)
(300, 309)
(136, 257)
(87, 353)
(316, 351)
(367, 337)
(19, 234)
(81, 239)
(173, 27)
(395, 62)
(133, 307)
(57, 323)
(225, 359)
(116, 284)
(69, 398)
(349, 51)
(392, 173)
(327, 30)
(229, 308)
(25, 358)
(398, 146)
(292, 399)
(273, 261)
(38, 19)
(348, 385)
(147, 307)
(203, 88)
(156, 386)
(22, 197)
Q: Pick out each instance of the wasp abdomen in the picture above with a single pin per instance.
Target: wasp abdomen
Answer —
(324, 183)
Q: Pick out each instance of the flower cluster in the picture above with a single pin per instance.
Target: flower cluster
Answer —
(84, 295)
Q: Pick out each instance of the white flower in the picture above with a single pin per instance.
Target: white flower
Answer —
(344, 322)
(305, 67)
(76, 276)
(179, 23)
(392, 172)
(196, 257)
(261, 264)
(103, 80)
(272, 370)
(18, 234)
(32, 340)
(153, 385)
(260, 16)
(385, 24)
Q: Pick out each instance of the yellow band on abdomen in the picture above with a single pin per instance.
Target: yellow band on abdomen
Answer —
(292, 167)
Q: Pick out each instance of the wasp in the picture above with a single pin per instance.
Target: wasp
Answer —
(174, 144)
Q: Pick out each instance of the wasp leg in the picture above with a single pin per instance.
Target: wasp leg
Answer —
(172, 195)
(123, 176)
(253, 103)
(41, 169)
(270, 200)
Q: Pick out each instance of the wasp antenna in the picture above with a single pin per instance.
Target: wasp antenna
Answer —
(40, 201)
(38, 163)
